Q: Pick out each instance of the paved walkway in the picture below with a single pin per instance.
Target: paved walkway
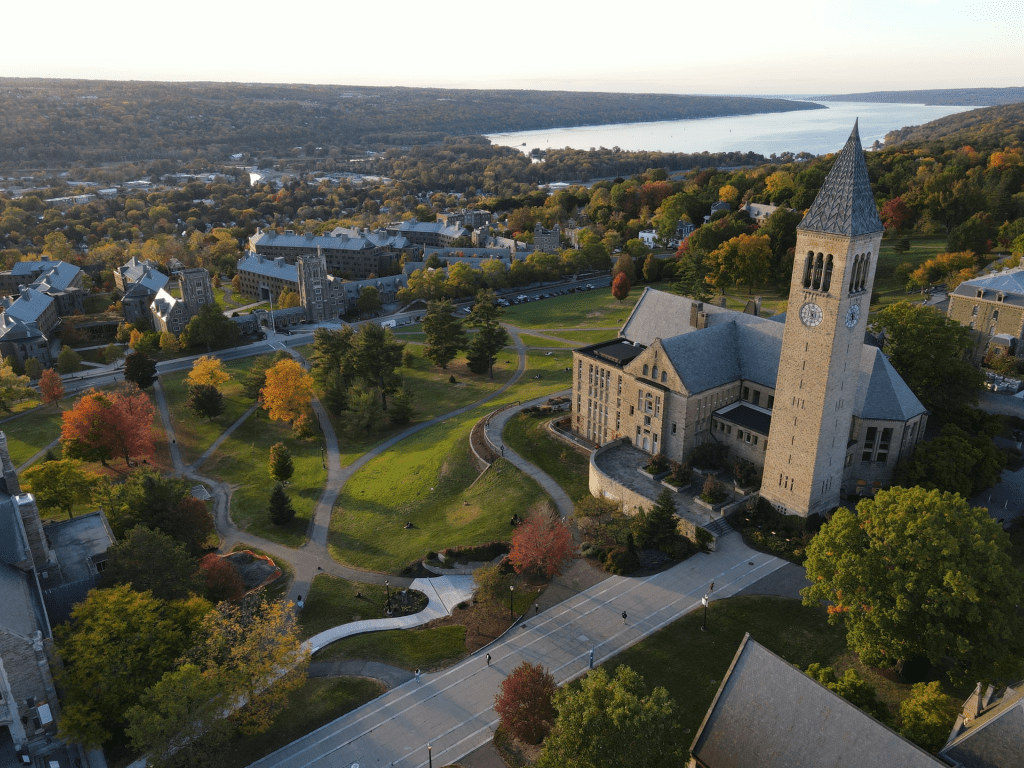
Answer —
(453, 709)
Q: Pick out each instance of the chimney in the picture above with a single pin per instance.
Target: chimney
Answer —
(973, 706)
(696, 309)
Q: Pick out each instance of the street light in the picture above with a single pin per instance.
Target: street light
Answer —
(387, 586)
(704, 626)
(430, 756)
(511, 591)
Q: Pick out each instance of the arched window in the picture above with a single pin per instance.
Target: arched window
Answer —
(853, 273)
(654, 373)
(863, 272)
(646, 370)
(826, 280)
(808, 264)
(664, 376)
(819, 264)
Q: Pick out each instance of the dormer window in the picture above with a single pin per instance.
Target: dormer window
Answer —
(980, 293)
(1000, 296)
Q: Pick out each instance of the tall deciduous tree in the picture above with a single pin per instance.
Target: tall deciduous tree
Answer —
(921, 573)
(149, 560)
(524, 702)
(118, 643)
(957, 461)
(51, 386)
(140, 369)
(68, 361)
(60, 485)
(609, 722)
(369, 302)
(927, 716)
(205, 401)
(542, 544)
(445, 336)
(208, 370)
(621, 286)
(102, 425)
(287, 391)
(209, 329)
(931, 352)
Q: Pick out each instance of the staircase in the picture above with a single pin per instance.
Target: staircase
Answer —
(718, 528)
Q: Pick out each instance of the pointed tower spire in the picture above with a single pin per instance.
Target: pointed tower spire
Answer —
(845, 204)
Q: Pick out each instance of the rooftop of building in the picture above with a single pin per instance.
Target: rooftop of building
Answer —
(29, 305)
(277, 268)
(992, 733)
(1009, 282)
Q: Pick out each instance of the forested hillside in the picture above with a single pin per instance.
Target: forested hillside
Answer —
(991, 127)
(965, 97)
(61, 122)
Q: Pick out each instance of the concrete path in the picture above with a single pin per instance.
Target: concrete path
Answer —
(453, 709)
(443, 593)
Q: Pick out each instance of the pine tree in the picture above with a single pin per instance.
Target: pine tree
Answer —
(281, 511)
(445, 336)
(657, 528)
(281, 466)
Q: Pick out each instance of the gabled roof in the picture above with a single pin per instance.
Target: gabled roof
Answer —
(29, 305)
(256, 264)
(845, 204)
(59, 276)
(769, 714)
(882, 393)
(1009, 282)
(12, 328)
(164, 303)
(661, 315)
(726, 352)
(993, 739)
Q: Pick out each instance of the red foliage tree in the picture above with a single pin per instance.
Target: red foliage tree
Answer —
(51, 386)
(524, 702)
(102, 425)
(621, 286)
(222, 579)
(896, 215)
(541, 544)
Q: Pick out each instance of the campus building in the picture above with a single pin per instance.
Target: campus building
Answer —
(356, 256)
(993, 308)
(172, 313)
(808, 397)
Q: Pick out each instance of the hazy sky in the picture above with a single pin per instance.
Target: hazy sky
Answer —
(695, 46)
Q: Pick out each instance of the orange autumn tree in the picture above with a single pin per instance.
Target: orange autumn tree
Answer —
(287, 391)
(51, 386)
(102, 425)
(542, 544)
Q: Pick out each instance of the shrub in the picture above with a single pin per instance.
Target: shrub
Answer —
(713, 492)
(746, 474)
(524, 702)
(491, 583)
(681, 474)
(704, 538)
(709, 456)
(621, 561)
(658, 464)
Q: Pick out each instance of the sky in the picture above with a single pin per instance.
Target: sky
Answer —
(667, 46)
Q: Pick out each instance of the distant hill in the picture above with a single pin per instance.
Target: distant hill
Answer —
(960, 97)
(990, 127)
(60, 122)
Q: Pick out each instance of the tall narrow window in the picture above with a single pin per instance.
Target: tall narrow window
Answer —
(863, 272)
(826, 280)
(808, 265)
(819, 265)
(853, 273)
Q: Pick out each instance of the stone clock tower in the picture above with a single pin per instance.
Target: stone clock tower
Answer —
(833, 271)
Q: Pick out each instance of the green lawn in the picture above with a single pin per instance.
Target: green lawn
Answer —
(242, 461)
(309, 707)
(95, 303)
(587, 309)
(580, 338)
(29, 433)
(332, 601)
(527, 435)
(195, 435)
(691, 663)
(425, 480)
(536, 341)
(550, 368)
(406, 648)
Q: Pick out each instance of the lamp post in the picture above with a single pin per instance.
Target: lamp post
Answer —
(430, 756)
(704, 626)
(511, 591)
(387, 586)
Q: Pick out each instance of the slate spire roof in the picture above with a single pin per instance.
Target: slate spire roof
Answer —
(845, 205)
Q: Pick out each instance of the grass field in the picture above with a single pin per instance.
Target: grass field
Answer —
(537, 341)
(581, 338)
(587, 309)
(527, 435)
(426, 649)
(195, 435)
(309, 707)
(242, 461)
(332, 601)
(425, 480)
(29, 433)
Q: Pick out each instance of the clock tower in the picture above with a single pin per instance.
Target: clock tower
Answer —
(816, 391)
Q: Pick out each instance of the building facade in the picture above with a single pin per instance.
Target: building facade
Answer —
(993, 308)
(355, 257)
(806, 395)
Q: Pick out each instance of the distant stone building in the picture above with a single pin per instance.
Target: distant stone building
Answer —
(467, 217)
(435, 234)
(993, 308)
(170, 313)
(132, 271)
(345, 255)
(320, 294)
(27, 327)
(547, 240)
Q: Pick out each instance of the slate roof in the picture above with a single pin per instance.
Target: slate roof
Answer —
(845, 204)
(1010, 282)
(29, 305)
(769, 714)
(256, 264)
(59, 276)
(21, 615)
(994, 739)
(326, 242)
(882, 393)
(12, 328)
(660, 315)
(726, 352)
(163, 303)
(134, 268)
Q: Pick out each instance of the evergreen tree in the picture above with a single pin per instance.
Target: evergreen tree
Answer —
(445, 336)
(205, 401)
(281, 511)
(335, 390)
(281, 466)
(375, 357)
(402, 407)
(658, 527)
(140, 369)
(490, 338)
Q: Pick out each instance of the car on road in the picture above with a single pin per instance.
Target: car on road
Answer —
(522, 297)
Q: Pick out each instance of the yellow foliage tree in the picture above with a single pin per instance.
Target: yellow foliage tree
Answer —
(287, 391)
(729, 194)
(287, 299)
(207, 370)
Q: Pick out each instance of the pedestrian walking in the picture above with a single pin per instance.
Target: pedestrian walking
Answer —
(536, 608)
(488, 657)
(591, 658)
(299, 603)
(623, 617)
(417, 673)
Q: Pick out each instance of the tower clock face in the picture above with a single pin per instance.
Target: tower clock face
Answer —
(811, 314)
(852, 316)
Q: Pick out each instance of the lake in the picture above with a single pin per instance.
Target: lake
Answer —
(817, 131)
